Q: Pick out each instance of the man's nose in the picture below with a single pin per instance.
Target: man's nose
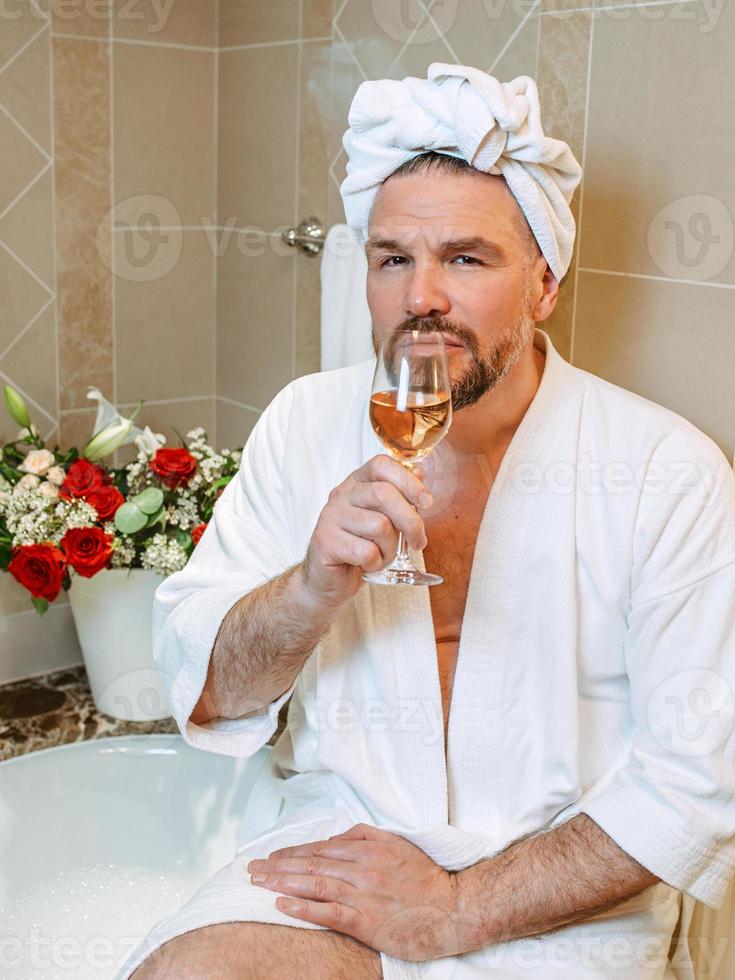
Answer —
(426, 295)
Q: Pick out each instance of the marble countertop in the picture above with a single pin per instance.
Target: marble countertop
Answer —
(57, 708)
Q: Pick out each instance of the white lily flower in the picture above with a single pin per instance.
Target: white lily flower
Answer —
(110, 419)
(149, 442)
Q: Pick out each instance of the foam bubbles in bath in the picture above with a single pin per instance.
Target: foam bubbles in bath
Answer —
(82, 925)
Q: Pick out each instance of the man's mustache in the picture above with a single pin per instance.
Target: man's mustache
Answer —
(428, 324)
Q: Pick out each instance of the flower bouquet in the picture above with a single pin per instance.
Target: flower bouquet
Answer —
(67, 514)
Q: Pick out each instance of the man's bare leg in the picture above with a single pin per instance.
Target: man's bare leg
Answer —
(260, 951)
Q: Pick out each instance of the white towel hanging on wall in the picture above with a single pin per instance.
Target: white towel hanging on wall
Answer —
(346, 323)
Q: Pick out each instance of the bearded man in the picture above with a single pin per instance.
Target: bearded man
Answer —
(528, 770)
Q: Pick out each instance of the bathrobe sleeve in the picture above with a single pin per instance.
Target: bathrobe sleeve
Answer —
(672, 805)
(245, 544)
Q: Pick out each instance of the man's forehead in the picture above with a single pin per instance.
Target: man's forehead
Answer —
(391, 237)
(437, 209)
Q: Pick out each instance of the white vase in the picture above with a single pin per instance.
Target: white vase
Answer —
(113, 616)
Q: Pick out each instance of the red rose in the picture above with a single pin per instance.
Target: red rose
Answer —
(39, 568)
(174, 466)
(105, 501)
(88, 549)
(83, 476)
(197, 532)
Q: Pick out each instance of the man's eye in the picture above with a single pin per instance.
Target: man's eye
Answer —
(391, 259)
(469, 259)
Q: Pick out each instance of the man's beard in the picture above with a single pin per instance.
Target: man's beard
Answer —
(486, 370)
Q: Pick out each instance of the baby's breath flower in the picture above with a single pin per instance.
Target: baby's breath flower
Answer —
(163, 555)
(33, 518)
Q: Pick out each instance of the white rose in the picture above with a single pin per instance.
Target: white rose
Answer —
(27, 482)
(37, 461)
(56, 475)
(47, 489)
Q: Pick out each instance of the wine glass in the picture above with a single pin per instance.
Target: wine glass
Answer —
(410, 411)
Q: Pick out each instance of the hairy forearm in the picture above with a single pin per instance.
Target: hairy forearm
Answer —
(262, 644)
(546, 881)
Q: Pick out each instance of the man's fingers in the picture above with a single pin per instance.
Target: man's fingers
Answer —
(373, 526)
(388, 500)
(296, 850)
(363, 831)
(321, 888)
(340, 918)
(351, 872)
(385, 469)
(339, 847)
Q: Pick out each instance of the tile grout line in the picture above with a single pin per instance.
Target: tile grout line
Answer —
(27, 268)
(41, 13)
(328, 177)
(350, 52)
(23, 47)
(52, 165)
(337, 16)
(25, 132)
(26, 328)
(215, 258)
(113, 257)
(533, 11)
(135, 227)
(190, 47)
(169, 401)
(28, 397)
(425, 19)
(276, 44)
(160, 44)
(604, 8)
(147, 401)
(231, 401)
(668, 279)
(297, 174)
(25, 190)
(440, 33)
(581, 190)
(538, 49)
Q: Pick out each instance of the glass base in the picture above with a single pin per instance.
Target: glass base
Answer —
(401, 576)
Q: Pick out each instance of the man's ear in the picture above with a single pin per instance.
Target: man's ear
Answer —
(547, 299)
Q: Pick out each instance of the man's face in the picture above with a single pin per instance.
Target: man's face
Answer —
(446, 251)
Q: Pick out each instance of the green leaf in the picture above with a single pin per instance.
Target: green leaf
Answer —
(129, 518)
(40, 604)
(149, 500)
(184, 539)
(181, 438)
(222, 482)
(6, 553)
(155, 518)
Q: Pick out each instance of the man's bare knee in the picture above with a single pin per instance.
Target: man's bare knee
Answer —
(260, 951)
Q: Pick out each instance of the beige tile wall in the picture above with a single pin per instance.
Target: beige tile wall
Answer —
(214, 128)
(102, 106)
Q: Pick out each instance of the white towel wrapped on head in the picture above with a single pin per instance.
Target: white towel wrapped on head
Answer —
(464, 112)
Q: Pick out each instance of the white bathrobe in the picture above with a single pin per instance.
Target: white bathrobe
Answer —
(595, 670)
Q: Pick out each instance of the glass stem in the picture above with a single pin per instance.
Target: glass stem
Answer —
(403, 559)
(402, 553)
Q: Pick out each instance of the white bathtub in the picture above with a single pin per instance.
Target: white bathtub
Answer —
(101, 839)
